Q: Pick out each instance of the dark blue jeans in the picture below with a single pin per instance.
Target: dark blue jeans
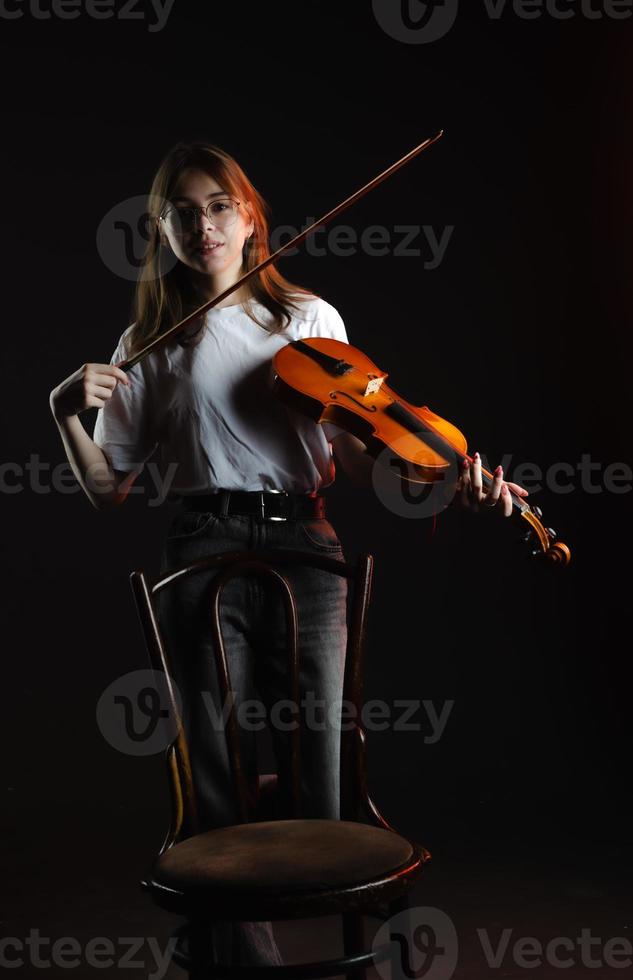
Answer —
(253, 627)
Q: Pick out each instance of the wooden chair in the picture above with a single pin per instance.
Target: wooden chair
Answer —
(264, 869)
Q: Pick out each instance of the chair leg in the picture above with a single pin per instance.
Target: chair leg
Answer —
(354, 942)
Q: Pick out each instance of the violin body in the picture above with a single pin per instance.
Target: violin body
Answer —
(330, 381)
(308, 387)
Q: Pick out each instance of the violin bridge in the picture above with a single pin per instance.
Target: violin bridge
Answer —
(373, 384)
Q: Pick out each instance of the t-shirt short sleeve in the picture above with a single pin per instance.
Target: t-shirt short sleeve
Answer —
(330, 324)
(122, 428)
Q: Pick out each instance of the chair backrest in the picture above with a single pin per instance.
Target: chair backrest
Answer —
(257, 562)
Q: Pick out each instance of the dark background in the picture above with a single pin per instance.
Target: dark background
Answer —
(521, 337)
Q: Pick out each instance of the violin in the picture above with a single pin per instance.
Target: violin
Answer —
(331, 381)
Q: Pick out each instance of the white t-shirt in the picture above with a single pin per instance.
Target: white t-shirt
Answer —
(211, 409)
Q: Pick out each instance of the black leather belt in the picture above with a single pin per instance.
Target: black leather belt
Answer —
(267, 505)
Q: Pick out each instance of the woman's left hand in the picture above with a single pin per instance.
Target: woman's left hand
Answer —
(471, 495)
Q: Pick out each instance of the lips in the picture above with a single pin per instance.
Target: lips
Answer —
(209, 247)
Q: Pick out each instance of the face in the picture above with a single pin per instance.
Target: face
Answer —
(207, 249)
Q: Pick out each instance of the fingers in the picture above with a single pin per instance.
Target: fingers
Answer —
(491, 499)
(476, 480)
(106, 374)
(90, 386)
(465, 490)
(471, 483)
(122, 376)
(99, 383)
(497, 497)
(119, 374)
(108, 381)
(506, 499)
(517, 489)
(100, 391)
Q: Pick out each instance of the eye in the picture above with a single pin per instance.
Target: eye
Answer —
(219, 206)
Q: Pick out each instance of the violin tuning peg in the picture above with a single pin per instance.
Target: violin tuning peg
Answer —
(551, 532)
(536, 553)
(527, 537)
(538, 512)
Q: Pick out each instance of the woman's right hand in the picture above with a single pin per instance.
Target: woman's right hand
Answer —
(91, 386)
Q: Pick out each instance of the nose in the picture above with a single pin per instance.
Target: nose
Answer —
(203, 222)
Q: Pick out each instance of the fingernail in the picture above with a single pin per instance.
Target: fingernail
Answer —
(476, 455)
(498, 471)
(466, 464)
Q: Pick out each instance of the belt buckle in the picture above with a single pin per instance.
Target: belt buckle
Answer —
(263, 508)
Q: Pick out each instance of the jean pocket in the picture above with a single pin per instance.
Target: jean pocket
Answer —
(320, 534)
(189, 523)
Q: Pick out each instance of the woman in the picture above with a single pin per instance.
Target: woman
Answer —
(226, 448)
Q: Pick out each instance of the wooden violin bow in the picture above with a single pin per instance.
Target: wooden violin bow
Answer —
(167, 335)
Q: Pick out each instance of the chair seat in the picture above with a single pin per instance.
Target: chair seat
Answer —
(282, 860)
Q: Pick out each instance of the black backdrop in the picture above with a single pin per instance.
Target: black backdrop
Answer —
(521, 336)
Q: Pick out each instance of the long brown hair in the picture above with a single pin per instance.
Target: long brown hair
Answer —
(164, 292)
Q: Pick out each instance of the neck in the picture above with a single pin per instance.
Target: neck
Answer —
(208, 287)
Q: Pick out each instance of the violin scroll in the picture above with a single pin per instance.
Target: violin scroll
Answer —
(546, 547)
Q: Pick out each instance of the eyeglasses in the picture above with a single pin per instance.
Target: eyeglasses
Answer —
(222, 213)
